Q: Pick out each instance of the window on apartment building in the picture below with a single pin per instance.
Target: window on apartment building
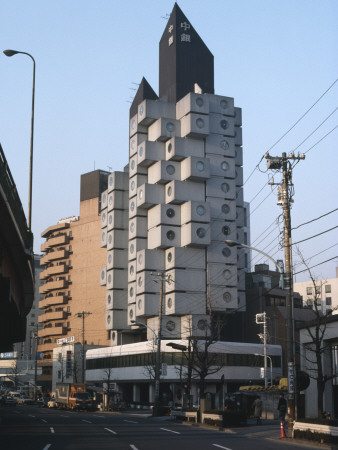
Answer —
(70, 233)
(328, 301)
(309, 290)
(317, 290)
(68, 308)
(68, 324)
(328, 288)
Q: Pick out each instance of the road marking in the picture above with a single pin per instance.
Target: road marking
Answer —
(46, 447)
(220, 446)
(62, 415)
(52, 430)
(133, 447)
(101, 417)
(171, 431)
(31, 415)
(43, 420)
(87, 421)
(130, 421)
(111, 431)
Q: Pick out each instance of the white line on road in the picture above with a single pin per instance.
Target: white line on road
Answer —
(87, 421)
(171, 431)
(220, 446)
(101, 417)
(31, 415)
(133, 447)
(111, 431)
(43, 420)
(62, 415)
(130, 421)
(52, 430)
(46, 447)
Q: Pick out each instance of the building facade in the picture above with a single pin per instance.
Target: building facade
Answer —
(325, 292)
(166, 217)
(73, 300)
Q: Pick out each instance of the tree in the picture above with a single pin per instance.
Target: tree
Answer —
(14, 371)
(317, 346)
(108, 372)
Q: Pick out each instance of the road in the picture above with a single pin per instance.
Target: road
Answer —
(31, 427)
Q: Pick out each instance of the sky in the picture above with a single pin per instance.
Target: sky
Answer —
(277, 59)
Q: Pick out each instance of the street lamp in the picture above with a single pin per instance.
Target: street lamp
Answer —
(157, 365)
(289, 326)
(184, 348)
(29, 221)
(267, 356)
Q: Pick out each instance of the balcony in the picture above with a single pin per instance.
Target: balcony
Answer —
(52, 331)
(53, 300)
(53, 270)
(47, 347)
(52, 285)
(54, 315)
(54, 241)
(53, 256)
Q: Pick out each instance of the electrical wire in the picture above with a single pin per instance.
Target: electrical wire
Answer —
(319, 264)
(313, 220)
(315, 235)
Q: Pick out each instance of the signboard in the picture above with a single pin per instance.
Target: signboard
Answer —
(66, 340)
(291, 378)
(7, 355)
(262, 374)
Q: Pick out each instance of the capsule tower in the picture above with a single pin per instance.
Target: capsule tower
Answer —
(178, 200)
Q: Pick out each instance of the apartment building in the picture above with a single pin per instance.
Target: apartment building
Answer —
(74, 301)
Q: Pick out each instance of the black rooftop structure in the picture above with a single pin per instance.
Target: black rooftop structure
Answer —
(184, 59)
(145, 91)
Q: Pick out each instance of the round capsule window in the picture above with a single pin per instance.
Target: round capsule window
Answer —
(170, 257)
(170, 235)
(225, 209)
(110, 200)
(110, 239)
(113, 335)
(224, 104)
(226, 230)
(224, 124)
(110, 219)
(102, 274)
(227, 274)
(170, 326)
(170, 147)
(109, 278)
(141, 110)
(170, 169)
(132, 185)
(200, 166)
(169, 191)
(132, 227)
(224, 144)
(201, 232)
(140, 194)
(200, 210)
(170, 213)
(108, 318)
(227, 297)
(225, 166)
(133, 144)
(131, 313)
(104, 198)
(132, 206)
(131, 270)
(139, 304)
(139, 281)
(103, 235)
(170, 127)
(111, 180)
(225, 187)
(110, 258)
(170, 302)
(226, 252)
(132, 248)
(109, 299)
(201, 325)
(200, 123)
(140, 151)
(131, 292)
(133, 124)
(199, 101)
(103, 217)
(132, 164)
(140, 258)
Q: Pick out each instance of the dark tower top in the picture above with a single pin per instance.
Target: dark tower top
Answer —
(184, 59)
(145, 91)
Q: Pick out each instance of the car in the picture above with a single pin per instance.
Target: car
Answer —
(51, 403)
(8, 401)
(43, 402)
(25, 401)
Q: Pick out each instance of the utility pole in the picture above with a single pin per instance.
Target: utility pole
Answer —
(285, 193)
(83, 314)
(261, 319)
(161, 278)
(36, 338)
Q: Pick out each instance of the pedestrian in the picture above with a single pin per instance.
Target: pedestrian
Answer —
(258, 406)
(281, 408)
(227, 402)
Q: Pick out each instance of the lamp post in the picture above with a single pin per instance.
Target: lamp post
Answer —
(184, 348)
(287, 277)
(270, 359)
(29, 221)
(157, 365)
(83, 314)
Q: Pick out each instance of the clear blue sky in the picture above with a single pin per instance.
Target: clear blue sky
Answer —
(276, 58)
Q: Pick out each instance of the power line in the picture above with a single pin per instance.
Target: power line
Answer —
(311, 237)
(320, 140)
(319, 264)
(313, 220)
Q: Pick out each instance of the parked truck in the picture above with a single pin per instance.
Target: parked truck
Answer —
(73, 396)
